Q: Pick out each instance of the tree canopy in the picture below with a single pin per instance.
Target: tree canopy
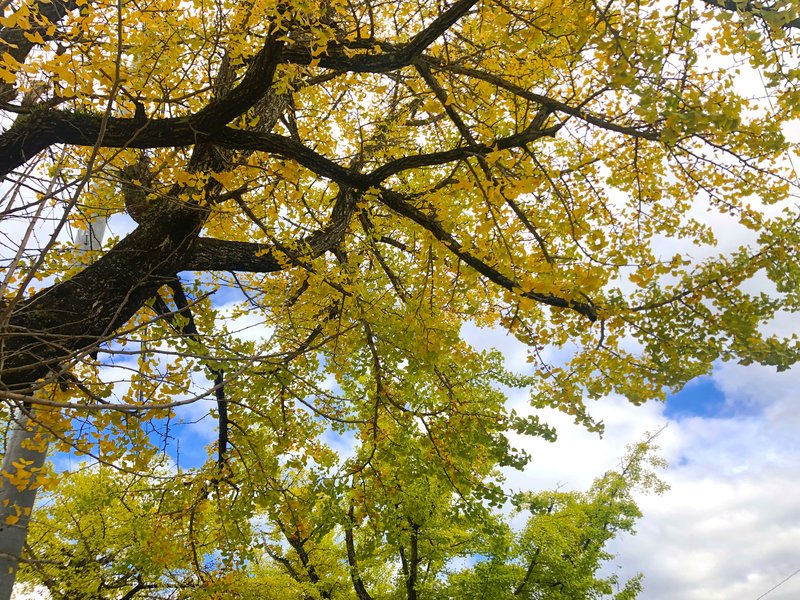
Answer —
(308, 201)
(106, 534)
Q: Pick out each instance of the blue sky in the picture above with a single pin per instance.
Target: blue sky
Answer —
(699, 398)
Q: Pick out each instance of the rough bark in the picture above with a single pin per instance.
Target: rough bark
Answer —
(78, 313)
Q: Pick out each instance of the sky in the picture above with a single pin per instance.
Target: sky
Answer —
(729, 526)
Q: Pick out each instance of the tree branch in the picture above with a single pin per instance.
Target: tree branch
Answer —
(41, 128)
(50, 326)
(391, 57)
(358, 584)
(399, 204)
(209, 254)
(413, 564)
(447, 156)
(32, 133)
(252, 88)
(528, 573)
(555, 105)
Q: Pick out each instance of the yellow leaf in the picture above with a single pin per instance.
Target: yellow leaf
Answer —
(34, 37)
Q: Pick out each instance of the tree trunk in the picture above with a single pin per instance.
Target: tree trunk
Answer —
(48, 328)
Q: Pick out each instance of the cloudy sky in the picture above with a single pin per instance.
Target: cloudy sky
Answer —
(729, 527)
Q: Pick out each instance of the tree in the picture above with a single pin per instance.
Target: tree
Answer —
(104, 534)
(364, 178)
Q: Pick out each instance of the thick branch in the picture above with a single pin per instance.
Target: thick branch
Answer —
(358, 584)
(210, 254)
(413, 564)
(391, 57)
(285, 562)
(39, 130)
(528, 573)
(298, 545)
(77, 313)
(32, 133)
(17, 45)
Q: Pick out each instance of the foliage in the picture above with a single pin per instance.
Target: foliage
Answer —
(106, 534)
(309, 201)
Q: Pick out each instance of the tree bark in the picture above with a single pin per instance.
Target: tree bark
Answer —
(355, 576)
(76, 314)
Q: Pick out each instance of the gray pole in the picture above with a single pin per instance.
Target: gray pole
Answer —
(16, 501)
(25, 454)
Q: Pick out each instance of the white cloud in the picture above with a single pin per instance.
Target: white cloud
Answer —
(249, 326)
(716, 535)
(729, 526)
(35, 593)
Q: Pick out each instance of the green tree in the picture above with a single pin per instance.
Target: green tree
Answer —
(559, 552)
(368, 177)
(106, 534)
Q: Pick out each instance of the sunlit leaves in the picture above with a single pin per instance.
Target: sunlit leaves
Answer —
(568, 171)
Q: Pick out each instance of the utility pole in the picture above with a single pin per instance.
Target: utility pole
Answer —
(26, 453)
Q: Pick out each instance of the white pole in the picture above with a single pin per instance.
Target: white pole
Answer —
(26, 453)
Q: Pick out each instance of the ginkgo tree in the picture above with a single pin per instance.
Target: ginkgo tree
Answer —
(106, 534)
(360, 180)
